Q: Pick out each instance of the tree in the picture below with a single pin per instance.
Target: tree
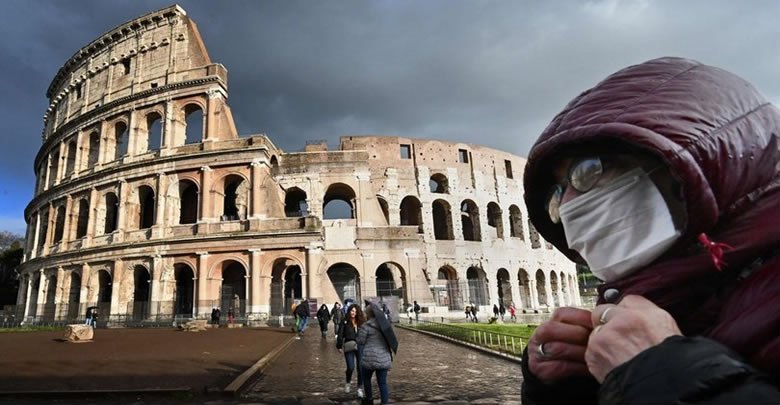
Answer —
(10, 259)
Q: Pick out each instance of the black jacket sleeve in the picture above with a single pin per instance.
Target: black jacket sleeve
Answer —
(340, 335)
(689, 370)
(572, 390)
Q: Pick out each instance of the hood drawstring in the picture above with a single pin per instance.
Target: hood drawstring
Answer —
(715, 250)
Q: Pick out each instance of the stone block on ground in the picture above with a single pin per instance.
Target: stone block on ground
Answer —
(195, 325)
(79, 333)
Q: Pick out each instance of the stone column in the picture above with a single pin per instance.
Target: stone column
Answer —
(28, 291)
(41, 294)
(203, 303)
(49, 230)
(84, 291)
(212, 106)
(60, 161)
(159, 209)
(121, 220)
(93, 208)
(104, 139)
(48, 177)
(255, 187)
(155, 286)
(78, 161)
(66, 226)
(168, 133)
(58, 293)
(36, 235)
(116, 284)
(132, 134)
(206, 214)
(253, 304)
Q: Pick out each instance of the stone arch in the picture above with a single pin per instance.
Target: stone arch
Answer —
(523, 280)
(504, 287)
(534, 235)
(442, 220)
(50, 297)
(184, 290)
(146, 207)
(439, 184)
(411, 212)
(70, 162)
(59, 224)
(339, 202)
(141, 299)
(384, 207)
(295, 204)
(234, 189)
(108, 213)
(33, 310)
(477, 282)
(104, 291)
(153, 131)
(233, 277)
(93, 149)
(74, 296)
(183, 202)
(391, 281)
(541, 290)
(515, 222)
(469, 218)
(447, 287)
(121, 140)
(194, 123)
(495, 220)
(286, 284)
(83, 218)
(346, 281)
(54, 159)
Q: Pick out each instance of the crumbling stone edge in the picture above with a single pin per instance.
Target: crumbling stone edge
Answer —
(238, 385)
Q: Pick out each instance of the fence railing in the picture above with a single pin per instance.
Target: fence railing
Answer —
(500, 342)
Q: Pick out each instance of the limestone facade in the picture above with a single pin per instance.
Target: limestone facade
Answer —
(149, 205)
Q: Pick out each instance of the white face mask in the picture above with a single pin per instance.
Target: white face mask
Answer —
(620, 227)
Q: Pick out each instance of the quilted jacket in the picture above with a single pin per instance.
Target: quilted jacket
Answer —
(721, 140)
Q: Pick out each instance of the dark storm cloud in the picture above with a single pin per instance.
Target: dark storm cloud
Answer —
(486, 72)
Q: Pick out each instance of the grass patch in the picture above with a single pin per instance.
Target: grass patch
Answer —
(496, 337)
(31, 329)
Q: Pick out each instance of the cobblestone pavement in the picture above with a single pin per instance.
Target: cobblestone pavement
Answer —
(426, 370)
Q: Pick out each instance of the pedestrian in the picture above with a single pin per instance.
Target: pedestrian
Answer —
(302, 312)
(323, 317)
(501, 311)
(214, 316)
(495, 311)
(467, 310)
(92, 314)
(293, 307)
(474, 313)
(336, 315)
(409, 311)
(218, 314)
(512, 312)
(664, 180)
(416, 311)
(386, 311)
(346, 343)
(376, 357)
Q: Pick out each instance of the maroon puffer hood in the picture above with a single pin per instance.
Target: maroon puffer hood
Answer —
(718, 136)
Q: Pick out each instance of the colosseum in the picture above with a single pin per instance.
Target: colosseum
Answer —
(149, 205)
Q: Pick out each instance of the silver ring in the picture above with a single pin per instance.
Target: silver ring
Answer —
(540, 348)
(603, 318)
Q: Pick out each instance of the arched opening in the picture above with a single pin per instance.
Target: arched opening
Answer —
(74, 295)
(185, 290)
(469, 218)
(111, 207)
(385, 208)
(439, 184)
(94, 149)
(447, 289)
(477, 282)
(233, 284)
(515, 222)
(339, 202)
(54, 166)
(59, 224)
(145, 207)
(83, 218)
(70, 164)
(274, 164)
(442, 220)
(188, 202)
(504, 288)
(104, 293)
(154, 131)
(44, 228)
(33, 310)
(141, 297)
(495, 221)
(346, 281)
(122, 137)
(541, 291)
(193, 121)
(286, 286)
(525, 288)
(295, 204)
(411, 212)
(234, 202)
(534, 235)
(390, 281)
(50, 303)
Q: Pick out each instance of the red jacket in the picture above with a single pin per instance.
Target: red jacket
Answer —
(721, 139)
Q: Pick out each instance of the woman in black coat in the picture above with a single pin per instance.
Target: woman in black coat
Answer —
(323, 317)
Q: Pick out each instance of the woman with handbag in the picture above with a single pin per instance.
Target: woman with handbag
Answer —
(346, 342)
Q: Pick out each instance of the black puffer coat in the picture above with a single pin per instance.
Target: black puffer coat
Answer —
(721, 140)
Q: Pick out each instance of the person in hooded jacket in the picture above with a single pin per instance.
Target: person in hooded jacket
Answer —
(323, 317)
(336, 315)
(664, 179)
(375, 357)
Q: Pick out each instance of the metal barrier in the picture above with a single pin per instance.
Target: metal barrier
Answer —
(492, 340)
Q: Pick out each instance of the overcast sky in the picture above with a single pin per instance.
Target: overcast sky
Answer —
(487, 72)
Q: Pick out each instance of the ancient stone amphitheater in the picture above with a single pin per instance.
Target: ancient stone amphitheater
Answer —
(150, 206)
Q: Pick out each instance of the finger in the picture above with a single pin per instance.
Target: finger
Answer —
(555, 370)
(562, 351)
(572, 316)
(602, 313)
(556, 331)
(636, 302)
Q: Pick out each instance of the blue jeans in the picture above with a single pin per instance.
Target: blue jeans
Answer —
(353, 360)
(304, 321)
(381, 380)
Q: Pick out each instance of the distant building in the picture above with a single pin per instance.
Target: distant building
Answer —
(148, 204)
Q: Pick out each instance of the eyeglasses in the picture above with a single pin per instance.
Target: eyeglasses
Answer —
(583, 175)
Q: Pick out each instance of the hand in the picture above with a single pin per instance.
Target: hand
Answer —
(630, 327)
(339, 350)
(565, 337)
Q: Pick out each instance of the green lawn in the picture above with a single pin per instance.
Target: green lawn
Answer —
(509, 338)
(31, 329)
